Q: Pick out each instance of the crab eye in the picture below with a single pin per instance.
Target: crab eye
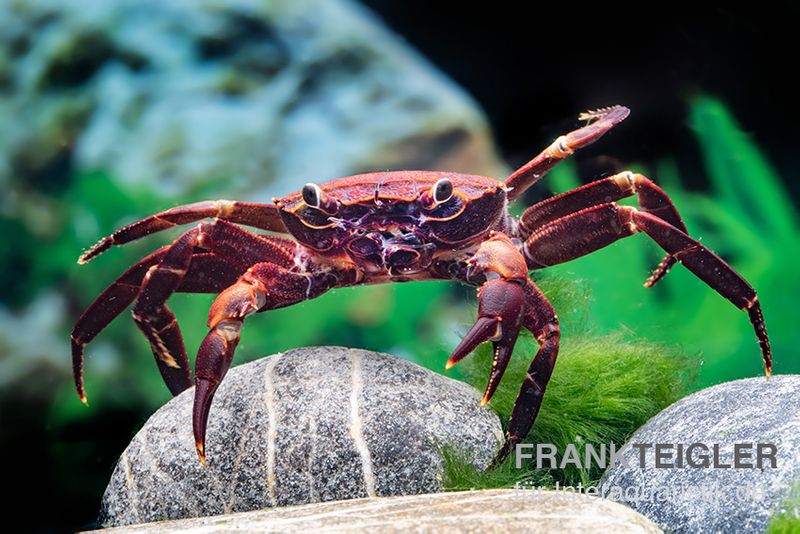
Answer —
(312, 195)
(442, 190)
(315, 197)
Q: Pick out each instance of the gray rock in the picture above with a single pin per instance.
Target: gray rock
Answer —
(717, 499)
(308, 425)
(468, 511)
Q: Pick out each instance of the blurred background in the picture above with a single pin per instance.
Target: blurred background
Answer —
(112, 110)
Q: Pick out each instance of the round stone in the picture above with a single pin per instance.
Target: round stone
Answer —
(760, 417)
(309, 425)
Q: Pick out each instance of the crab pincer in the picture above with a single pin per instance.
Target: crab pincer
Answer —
(500, 304)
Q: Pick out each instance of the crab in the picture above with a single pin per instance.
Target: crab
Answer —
(396, 227)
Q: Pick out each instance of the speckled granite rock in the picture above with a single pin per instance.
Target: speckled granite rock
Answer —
(717, 499)
(308, 425)
(469, 511)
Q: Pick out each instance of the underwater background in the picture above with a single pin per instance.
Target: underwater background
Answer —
(110, 111)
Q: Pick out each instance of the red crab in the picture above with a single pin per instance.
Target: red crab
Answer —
(396, 227)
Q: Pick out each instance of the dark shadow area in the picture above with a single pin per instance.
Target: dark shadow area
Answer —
(534, 66)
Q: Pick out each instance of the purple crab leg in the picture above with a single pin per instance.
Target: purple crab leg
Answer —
(593, 228)
(262, 216)
(151, 282)
(154, 317)
(208, 274)
(265, 286)
(507, 301)
(499, 313)
(652, 199)
(541, 320)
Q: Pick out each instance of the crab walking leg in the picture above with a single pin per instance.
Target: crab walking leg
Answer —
(500, 305)
(652, 199)
(600, 122)
(262, 216)
(265, 286)
(157, 322)
(540, 318)
(208, 274)
(584, 232)
(105, 308)
(154, 317)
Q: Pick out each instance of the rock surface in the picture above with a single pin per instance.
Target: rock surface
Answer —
(717, 499)
(469, 511)
(309, 425)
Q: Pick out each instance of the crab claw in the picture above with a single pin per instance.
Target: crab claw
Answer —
(500, 306)
(213, 360)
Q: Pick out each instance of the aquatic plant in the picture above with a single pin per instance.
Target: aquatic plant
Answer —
(786, 519)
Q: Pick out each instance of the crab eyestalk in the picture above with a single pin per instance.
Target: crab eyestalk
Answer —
(439, 193)
(315, 197)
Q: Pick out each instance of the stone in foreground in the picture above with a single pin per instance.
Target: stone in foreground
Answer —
(309, 425)
(469, 511)
(717, 499)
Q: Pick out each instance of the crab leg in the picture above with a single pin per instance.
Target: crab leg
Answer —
(153, 316)
(156, 320)
(651, 198)
(164, 272)
(600, 122)
(265, 286)
(540, 318)
(262, 216)
(584, 232)
(208, 274)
